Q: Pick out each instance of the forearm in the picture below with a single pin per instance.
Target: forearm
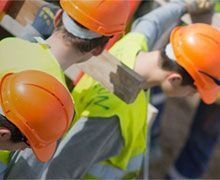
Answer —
(155, 23)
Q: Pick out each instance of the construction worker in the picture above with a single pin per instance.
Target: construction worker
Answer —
(202, 139)
(36, 110)
(108, 138)
(82, 30)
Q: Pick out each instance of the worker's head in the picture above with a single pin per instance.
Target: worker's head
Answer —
(193, 54)
(88, 25)
(36, 111)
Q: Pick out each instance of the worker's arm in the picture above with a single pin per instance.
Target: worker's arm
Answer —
(155, 23)
(87, 143)
(163, 19)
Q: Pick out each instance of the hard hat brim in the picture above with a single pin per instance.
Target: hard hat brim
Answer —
(44, 154)
(208, 96)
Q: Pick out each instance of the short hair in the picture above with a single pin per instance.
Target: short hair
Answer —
(170, 65)
(83, 45)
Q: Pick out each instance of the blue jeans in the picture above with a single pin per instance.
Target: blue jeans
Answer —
(195, 155)
(202, 138)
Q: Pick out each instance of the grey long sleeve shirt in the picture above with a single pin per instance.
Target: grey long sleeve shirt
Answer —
(84, 146)
(158, 21)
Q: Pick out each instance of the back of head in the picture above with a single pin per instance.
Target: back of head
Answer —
(39, 106)
(105, 17)
(197, 49)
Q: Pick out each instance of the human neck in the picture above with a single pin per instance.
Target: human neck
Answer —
(66, 55)
(147, 65)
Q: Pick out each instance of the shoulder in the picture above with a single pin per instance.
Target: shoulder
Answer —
(12, 40)
(132, 38)
(127, 48)
(14, 44)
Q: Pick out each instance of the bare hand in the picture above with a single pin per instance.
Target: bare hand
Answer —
(199, 6)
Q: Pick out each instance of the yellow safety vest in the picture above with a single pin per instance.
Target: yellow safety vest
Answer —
(92, 100)
(18, 55)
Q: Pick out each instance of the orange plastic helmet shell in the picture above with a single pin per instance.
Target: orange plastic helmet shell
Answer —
(39, 106)
(106, 17)
(197, 50)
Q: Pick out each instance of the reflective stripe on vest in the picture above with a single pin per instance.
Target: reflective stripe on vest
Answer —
(92, 100)
(106, 171)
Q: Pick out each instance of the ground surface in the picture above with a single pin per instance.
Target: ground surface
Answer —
(173, 135)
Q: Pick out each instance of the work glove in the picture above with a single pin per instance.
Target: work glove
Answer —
(199, 6)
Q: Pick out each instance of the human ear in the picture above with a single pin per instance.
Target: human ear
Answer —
(57, 18)
(175, 79)
(5, 134)
(97, 51)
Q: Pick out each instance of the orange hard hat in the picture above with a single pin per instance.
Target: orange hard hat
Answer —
(197, 50)
(39, 106)
(106, 17)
